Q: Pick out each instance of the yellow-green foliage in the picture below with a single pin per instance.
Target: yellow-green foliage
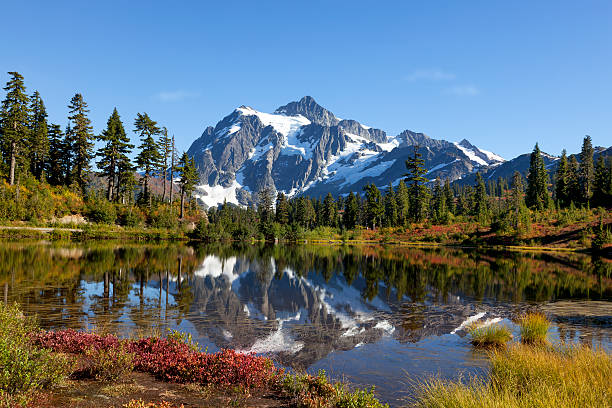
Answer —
(24, 369)
(534, 328)
(525, 376)
(490, 336)
(36, 201)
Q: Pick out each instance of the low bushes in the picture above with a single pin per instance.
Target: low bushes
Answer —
(534, 328)
(109, 364)
(24, 369)
(490, 336)
(524, 376)
(315, 391)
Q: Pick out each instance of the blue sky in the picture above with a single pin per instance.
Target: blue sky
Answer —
(503, 74)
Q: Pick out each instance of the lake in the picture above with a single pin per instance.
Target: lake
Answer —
(372, 315)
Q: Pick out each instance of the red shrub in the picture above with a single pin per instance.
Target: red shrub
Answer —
(170, 360)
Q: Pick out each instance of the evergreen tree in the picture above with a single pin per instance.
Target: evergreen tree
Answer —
(149, 157)
(439, 208)
(374, 206)
(165, 147)
(351, 212)
(519, 213)
(601, 194)
(67, 156)
(573, 180)
(403, 203)
(449, 197)
(419, 194)
(14, 116)
(330, 211)
(537, 182)
(265, 205)
(189, 178)
(282, 209)
(39, 140)
(587, 169)
(390, 202)
(480, 199)
(173, 162)
(562, 181)
(81, 136)
(114, 151)
(305, 213)
(55, 171)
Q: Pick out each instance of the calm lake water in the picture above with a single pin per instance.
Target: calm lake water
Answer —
(370, 315)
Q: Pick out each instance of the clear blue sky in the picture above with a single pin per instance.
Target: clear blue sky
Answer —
(503, 74)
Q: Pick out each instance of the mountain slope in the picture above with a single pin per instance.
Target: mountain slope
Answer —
(304, 148)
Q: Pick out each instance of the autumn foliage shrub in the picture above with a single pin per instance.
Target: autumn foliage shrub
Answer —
(169, 359)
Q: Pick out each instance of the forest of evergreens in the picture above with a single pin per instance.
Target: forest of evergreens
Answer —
(48, 172)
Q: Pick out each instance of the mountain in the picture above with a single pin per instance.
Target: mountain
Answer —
(303, 148)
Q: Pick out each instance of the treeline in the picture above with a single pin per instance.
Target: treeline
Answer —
(46, 159)
(507, 206)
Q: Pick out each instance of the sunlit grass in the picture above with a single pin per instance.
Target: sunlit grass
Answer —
(526, 376)
(534, 328)
(490, 336)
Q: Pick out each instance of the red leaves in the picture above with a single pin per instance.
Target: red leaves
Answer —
(171, 360)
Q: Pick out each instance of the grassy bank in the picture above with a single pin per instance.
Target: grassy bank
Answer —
(526, 376)
(91, 232)
(71, 368)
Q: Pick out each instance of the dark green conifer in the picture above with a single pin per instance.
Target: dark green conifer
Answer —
(113, 153)
(587, 169)
(149, 157)
(189, 178)
(537, 182)
(39, 139)
(14, 116)
(81, 136)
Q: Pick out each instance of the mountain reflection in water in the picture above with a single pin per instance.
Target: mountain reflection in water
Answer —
(369, 313)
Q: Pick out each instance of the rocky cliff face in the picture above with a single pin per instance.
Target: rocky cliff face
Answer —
(304, 148)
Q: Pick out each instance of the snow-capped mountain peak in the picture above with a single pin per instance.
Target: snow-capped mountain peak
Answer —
(304, 148)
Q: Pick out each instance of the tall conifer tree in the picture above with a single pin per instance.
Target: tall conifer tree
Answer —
(537, 182)
(114, 151)
(81, 136)
(55, 170)
(562, 180)
(149, 157)
(39, 138)
(14, 116)
(419, 194)
(587, 169)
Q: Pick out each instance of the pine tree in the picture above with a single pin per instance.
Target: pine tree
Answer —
(449, 197)
(480, 199)
(173, 162)
(537, 182)
(282, 209)
(114, 152)
(81, 136)
(351, 212)
(264, 205)
(55, 170)
(519, 212)
(419, 194)
(39, 140)
(390, 202)
(439, 208)
(587, 169)
(374, 206)
(305, 213)
(14, 116)
(402, 197)
(149, 157)
(189, 178)
(562, 181)
(573, 180)
(165, 147)
(330, 211)
(601, 182)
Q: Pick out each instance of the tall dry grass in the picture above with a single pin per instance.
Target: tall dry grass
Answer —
(524, 376)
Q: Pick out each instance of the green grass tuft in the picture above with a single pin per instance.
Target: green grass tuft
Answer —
(491, 336)
(534, 328)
